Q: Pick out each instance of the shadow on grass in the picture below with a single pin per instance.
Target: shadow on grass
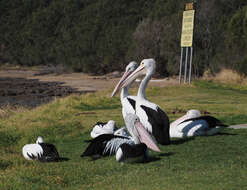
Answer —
(181, 141)
(226, 134)
(156, 158)
(151, 159)
(167, 154)
(62, 159)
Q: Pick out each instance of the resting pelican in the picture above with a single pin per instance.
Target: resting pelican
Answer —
(141, 138)
(151, 115)
(128, 102)
(41, 151)
(193, 124)
(103, 128)
(108, 144)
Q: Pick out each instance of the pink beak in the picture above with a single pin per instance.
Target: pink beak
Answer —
(118, 86)
(145, 137)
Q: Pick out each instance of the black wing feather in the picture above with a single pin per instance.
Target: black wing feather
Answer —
(100, 123)
(160, 124)
(132, 103)
(212, 121)
(31, 156)
(132, 151)
(50, 153)
(97, 145)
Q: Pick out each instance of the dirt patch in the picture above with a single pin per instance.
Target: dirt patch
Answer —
(30, 92)
(30, 88)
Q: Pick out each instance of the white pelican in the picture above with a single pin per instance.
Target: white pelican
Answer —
(141, 138)
(108, 144)
(128, 102)
(103, 128)
(41, 151)
(110, 127)
(151, 115)
(193, 124)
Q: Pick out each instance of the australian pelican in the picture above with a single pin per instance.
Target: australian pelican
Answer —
(110, 127)
(41, 151)
(193, 124)
(142, 141)
(103, 128)
(128, 102)
(151, 115)
(108, 144)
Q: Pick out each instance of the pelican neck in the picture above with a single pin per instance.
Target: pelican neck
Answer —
(141, 91)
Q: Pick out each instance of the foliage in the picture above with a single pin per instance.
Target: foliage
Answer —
(99, 36)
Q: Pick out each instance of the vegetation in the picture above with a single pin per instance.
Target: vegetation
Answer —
(216, 162)
(99, 36)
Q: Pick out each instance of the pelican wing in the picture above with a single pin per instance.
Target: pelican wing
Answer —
(98, 144)
(212, 121)
(132, 103)
(50, 153)
(160, 124)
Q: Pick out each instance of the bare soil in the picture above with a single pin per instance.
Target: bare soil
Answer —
(30, 88)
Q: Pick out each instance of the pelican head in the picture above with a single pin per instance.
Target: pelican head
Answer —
(111, 126)
(147, 67)
(139, 133)
(193, 113)
(128, 70)
(39, 140)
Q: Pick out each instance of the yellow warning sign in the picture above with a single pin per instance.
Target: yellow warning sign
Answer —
(187, 28)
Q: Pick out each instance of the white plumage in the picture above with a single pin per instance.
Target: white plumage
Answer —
(151, 115)
(193, 124)
(127, 101)
(103, 128)
(32, 150)
(109, 144)
(41, 151)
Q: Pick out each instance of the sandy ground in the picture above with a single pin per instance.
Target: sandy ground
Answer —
(80, 81)
(33, 87)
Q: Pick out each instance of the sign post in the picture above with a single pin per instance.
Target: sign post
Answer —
(187, 40)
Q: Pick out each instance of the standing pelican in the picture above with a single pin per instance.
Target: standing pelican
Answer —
(128, 102)
(108, 144)
(151, 115)
(41, 151)
(193, 124)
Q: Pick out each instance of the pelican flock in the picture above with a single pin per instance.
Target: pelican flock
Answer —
(142, 118)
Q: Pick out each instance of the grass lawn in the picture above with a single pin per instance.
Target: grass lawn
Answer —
(215, 162)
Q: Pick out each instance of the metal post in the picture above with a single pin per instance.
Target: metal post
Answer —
(191, 57)
(185, 66)
(180, 67)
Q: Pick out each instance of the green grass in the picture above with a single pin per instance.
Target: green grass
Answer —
(215, 162)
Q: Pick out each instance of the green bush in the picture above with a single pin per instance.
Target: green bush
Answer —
(99, 36)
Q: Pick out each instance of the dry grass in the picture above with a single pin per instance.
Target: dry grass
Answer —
(226, 76)
(8, 110)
